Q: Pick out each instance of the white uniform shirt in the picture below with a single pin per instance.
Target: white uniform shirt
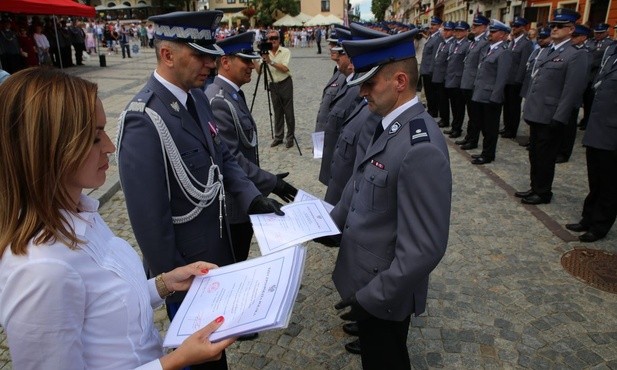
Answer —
(89, 308)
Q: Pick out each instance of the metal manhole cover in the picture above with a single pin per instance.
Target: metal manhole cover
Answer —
(594, 267)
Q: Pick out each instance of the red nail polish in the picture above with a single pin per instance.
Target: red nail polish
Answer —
(204, 271)
(219, 319)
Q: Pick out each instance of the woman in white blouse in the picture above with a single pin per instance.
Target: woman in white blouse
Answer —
(72, 295)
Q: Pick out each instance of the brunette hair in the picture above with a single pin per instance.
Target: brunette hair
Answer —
(47, 128)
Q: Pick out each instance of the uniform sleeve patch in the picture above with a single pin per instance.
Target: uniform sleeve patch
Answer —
(418, 131)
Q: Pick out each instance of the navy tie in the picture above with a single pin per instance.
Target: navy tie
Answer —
(378, 132)
(190, 106)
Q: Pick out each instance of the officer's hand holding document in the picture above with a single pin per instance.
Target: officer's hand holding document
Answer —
(303, 221)
(253, 296)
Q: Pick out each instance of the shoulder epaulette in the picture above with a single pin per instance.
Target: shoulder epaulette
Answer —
(138, 104)
(418, 131)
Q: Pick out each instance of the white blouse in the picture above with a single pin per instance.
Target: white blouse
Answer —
(89, 308)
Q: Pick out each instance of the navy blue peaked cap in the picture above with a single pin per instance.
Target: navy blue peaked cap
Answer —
(342, 35)
(519, 22)
(240, 45)
(544, 33)
(580, 30)
(196, 29)
(563, 15)
(436, 20)
(333, 35)
(449, 25)
(368, 56)
(461, 25)
(360, 32)
(601, 27)
(481, 20)
(499, 26)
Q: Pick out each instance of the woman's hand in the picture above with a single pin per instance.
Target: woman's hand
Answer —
(197, 348)
(180, 279)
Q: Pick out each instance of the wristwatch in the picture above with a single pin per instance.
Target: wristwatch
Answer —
(272, 63)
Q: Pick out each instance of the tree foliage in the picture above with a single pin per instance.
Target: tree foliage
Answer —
(265, 10)
(378, 8)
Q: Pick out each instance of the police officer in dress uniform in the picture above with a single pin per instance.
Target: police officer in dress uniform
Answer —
(488, 92)
(426, 68)
(238, 130)
(600, 141)
(343, 103)
(544, 40)
(521, 47)
(332, 87)
(174, 168)
(440, 64)
(395, 211)
(579, 37)
(555, 93)
(479, 42)
(454, 74)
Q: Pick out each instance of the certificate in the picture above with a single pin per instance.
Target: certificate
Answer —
(253, 296)
(318, 138)
(303, 221)
(303, 195)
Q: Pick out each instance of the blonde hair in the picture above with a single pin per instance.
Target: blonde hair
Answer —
(47, 128)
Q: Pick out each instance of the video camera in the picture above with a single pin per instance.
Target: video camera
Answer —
(264, 47)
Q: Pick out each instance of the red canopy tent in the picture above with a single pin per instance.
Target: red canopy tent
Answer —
(51, 7)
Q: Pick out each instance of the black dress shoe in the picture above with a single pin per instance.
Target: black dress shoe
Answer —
(443, 124)
(474, 156)
(526, 144)
(353, 347)
(561, 159)
(455, 134)
(577, 227)
(289, 144)
(251, 336)
(589, 237)
(351, 328)
(469, 146)
(481, 160)
(461, 142)
(535, 199)
(523, 194)
(276, 142)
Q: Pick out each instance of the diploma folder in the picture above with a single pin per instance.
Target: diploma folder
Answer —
(255, 295)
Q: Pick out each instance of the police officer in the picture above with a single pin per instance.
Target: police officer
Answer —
(173, 164)
(440, 64)
(454, 73)
(479, 41)
(426, 68)
(521, 47)
(600, 141)
(489, 87)
(555, 92)
(343, 103)
(395, 216)
(238, 130)
(544, 40)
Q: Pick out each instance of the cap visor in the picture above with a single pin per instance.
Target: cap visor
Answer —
(245, 55)
(213, 49)
(361, 77)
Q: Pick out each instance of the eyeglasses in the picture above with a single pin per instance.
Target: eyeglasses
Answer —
(558, 25)
(273, 38)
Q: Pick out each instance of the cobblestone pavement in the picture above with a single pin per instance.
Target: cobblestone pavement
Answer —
(499, 298)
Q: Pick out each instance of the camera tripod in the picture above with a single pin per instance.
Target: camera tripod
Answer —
(264, 70)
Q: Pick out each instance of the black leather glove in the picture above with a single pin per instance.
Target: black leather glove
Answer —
(357, 312)
(333, 241)
(283, 189)
(262, 204)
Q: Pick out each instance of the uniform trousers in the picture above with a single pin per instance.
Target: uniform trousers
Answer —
(384, 344)
(443, 103)
(282, 94)
(488, 122)
(241, 236)
(600, 206)
(457, 104)
(432, 97)
(569, 137)
(512, 108)
(473, 130)
(544, 143)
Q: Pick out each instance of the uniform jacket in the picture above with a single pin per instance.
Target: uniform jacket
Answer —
(440, 64)
(520, 53)
(471, 61)
(395, 215)
(531, 62)
(454, 70)
(558, 85)
(247, 157)
(352, 142)
(151, 202)
(428, 53)
(329, 92)
(493, 70)
(601, 130)
(598, 49)
(345, 101)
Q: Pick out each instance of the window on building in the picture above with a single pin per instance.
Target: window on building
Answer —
(242, 1)
(502, 14)
(488, 14)
(325, 5)
(543, 14)
(231, 1)
(517, 10)
(569, 6)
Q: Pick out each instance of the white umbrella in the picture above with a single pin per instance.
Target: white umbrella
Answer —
(303, 18)
(239, 15)
(288, 21)
(318, 20)
(334, 19)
